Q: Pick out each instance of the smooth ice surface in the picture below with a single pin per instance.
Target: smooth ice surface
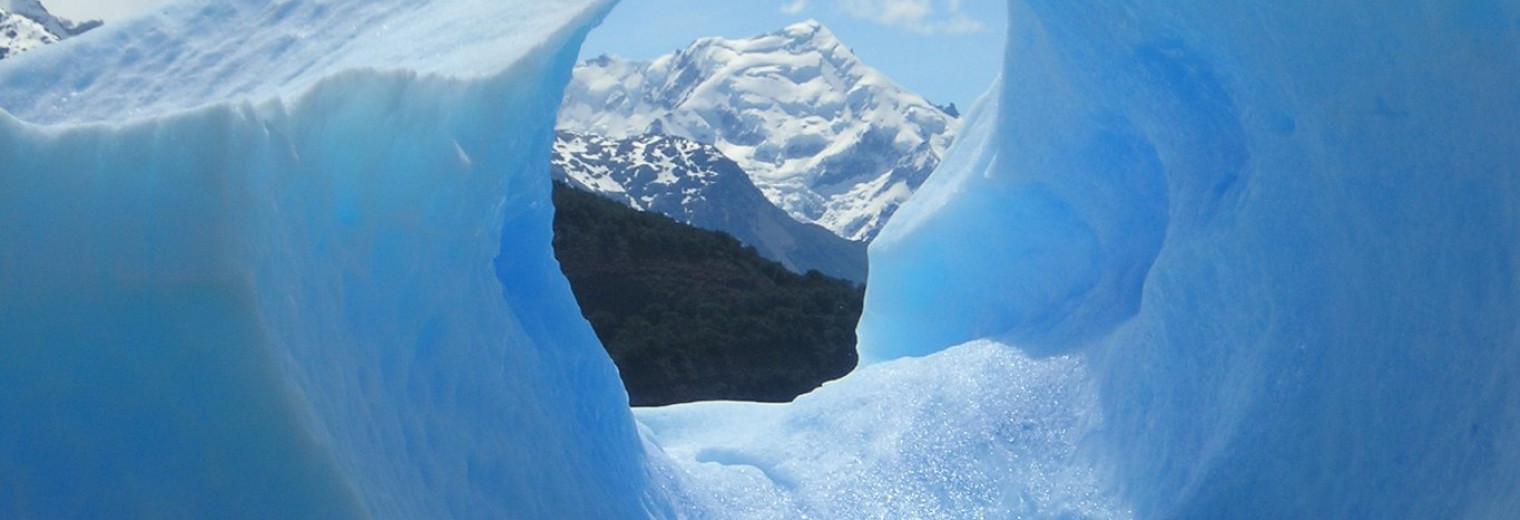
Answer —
(298, 265)
(1283, 237)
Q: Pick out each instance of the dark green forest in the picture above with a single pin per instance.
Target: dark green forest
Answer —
(691, 315)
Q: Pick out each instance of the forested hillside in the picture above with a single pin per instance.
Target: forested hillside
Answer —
(690, 315)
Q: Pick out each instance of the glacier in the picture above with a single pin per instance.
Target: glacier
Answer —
(1188, 259)
(1281, 236)
(292, 260)
(980, 430)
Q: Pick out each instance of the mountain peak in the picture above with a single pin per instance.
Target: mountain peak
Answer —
(807, 27)
(809, 30)
(825, 137)
(697, 184)
(60, 28)
(19, 34)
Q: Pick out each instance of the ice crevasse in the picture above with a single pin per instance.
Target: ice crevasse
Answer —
(1188, 260)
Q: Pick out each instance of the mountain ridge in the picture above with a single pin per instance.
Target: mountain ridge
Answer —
(696, 184)
(824, 136)
(27, 24)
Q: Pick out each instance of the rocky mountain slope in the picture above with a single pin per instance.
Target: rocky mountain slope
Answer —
(693, 315)
(26, 25)
(824, 137)
(19, 34)
(696, 184)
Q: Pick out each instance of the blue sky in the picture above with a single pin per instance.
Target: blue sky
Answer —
(947, 50)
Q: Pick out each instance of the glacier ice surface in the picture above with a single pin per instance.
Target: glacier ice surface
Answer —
(1236, 261)
(1259, 261)
(978, 431)
(292, 260)
(1282, 237)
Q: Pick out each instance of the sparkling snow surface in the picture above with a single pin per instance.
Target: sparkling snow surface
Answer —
(979, 431)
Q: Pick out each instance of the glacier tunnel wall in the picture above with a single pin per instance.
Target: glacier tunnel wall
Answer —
(1284, 236)
(253, 271)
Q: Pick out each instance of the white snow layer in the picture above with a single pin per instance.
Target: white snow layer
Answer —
(19, 34)
(1260, 260)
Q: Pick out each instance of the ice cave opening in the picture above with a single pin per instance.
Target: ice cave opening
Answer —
(292, 259)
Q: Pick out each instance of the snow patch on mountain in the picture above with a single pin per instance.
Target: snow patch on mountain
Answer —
(695, 183)
(26, 25)
(825, 137)
(19, 34)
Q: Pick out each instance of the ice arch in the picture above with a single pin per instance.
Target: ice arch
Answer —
(291, 259)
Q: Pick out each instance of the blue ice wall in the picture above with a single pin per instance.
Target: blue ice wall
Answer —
(292, 260)
(1283, 235)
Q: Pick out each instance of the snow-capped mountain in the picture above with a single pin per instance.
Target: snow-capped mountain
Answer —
(695, 183)
(26, 25)
(825, 137)
(19, 34)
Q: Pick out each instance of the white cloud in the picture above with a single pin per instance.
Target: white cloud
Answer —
(794, 7)
(921, 16)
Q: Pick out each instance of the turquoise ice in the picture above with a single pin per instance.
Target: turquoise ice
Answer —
(292, 260)
(1188, 259)
(1282, 236)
